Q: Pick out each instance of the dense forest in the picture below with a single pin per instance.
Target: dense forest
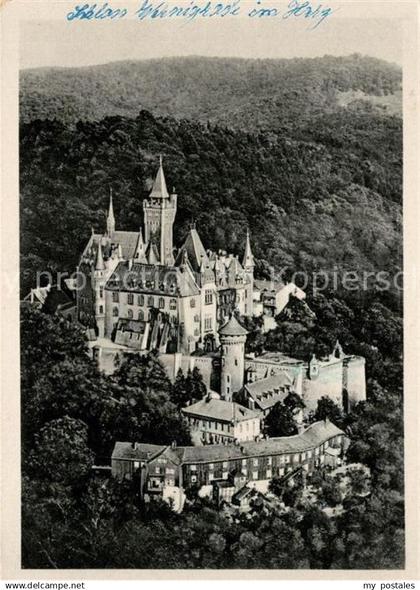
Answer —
(264, 144)
(72, 415)
(330, 200)
(250, 94)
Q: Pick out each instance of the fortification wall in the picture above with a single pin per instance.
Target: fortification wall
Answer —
(354, 380)
(329, 382)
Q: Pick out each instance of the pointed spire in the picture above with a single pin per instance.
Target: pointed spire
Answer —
(159, 190)
(140, 249)
(153, 255)
(99, 259)
(110, 221)
(248, 259)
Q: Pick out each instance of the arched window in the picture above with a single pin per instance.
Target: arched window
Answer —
(172, 304)
(130, 314)
(150, 301)
(141, 314)
(161, 303)
(115, 312)
(141, 299)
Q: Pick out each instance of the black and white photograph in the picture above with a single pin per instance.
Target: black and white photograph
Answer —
(211, 288)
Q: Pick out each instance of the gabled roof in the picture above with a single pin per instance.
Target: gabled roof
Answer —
(267, 392)
(128, 242)
(137, 451)
(220, 410)
(195, 250)
(233, 328)
(144, 452)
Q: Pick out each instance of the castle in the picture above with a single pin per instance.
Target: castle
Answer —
(142, 294)
(138, 293)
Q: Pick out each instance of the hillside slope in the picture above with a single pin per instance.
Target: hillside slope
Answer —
(243, 93)
(333, 199)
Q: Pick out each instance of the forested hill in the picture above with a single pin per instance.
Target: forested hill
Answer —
(250, 94)
(331, 199)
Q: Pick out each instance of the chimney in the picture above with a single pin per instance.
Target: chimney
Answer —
(173, 444)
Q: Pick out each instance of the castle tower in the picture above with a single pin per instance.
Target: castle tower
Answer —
(249, 264)
(232, 340)
(159, 216)
(110, 220)
(99, 276)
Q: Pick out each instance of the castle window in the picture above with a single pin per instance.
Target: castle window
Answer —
(236, 362)
(207, 323)
(192, 302)
(115, 297)
(130, 314)
(141, 314)
(101, 309)
(150, 301)
(208, 296)
(140, 300)
(130, 299)
(101, 292)
(172, 304)
(161, 303)
(115, 312)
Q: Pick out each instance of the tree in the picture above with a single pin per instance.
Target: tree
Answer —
(277, 486)
(327, 408)
(280, 421)
(61, 453)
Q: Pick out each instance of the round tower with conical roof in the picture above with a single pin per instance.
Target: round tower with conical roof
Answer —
(232, 339)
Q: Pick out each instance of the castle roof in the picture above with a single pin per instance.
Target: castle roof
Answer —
(195, 250)
(233, 328)
(159, 190)
(267, 392)
(220, 410)
(127, 240)
(154, 279)
(314, 436)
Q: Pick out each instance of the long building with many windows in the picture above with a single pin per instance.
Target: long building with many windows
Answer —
(167, 470)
